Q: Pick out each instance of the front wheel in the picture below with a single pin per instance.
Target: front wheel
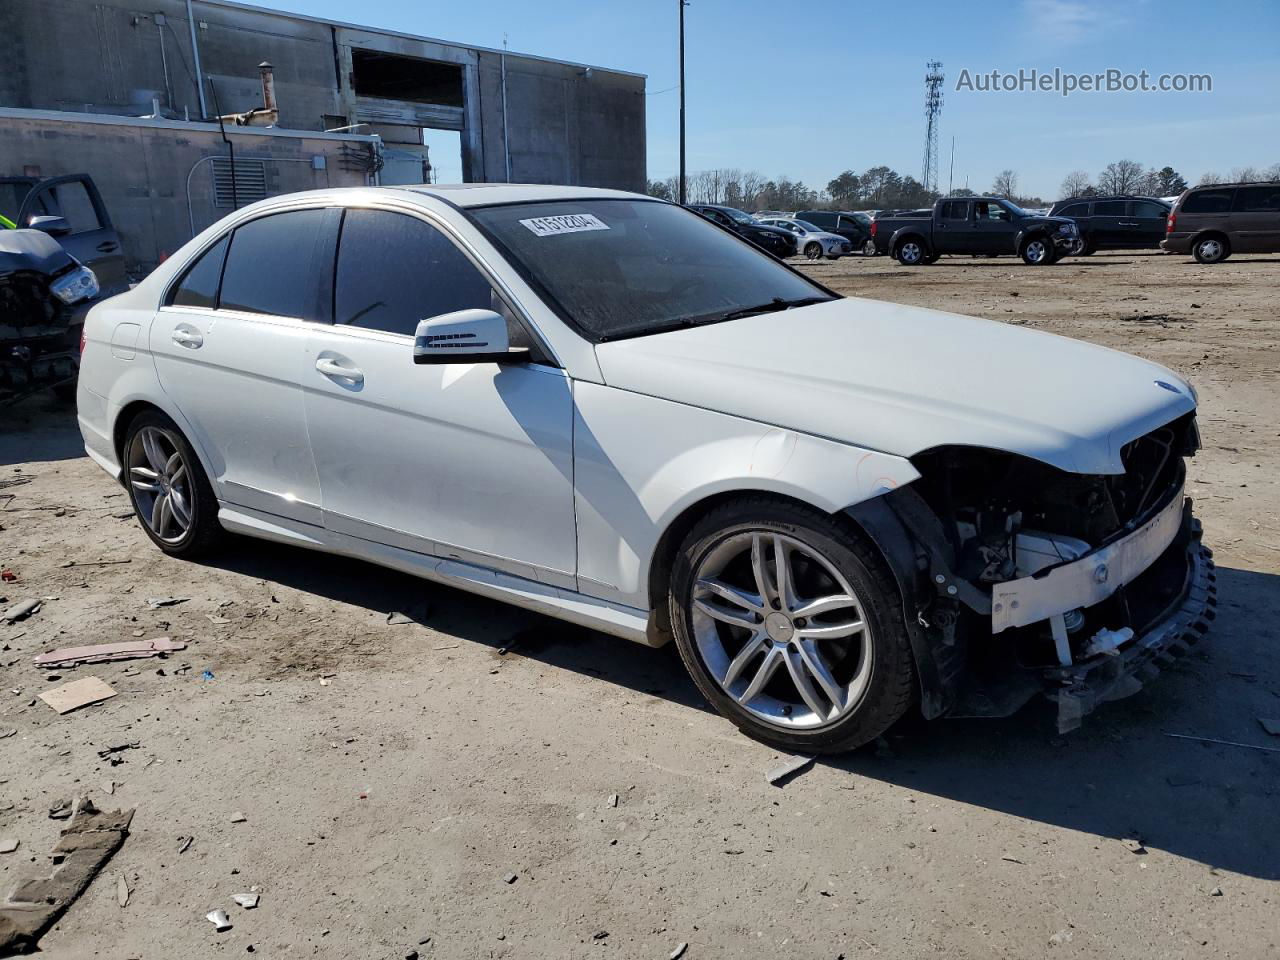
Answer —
(1037, 251)
(791, 626)
(813, 251)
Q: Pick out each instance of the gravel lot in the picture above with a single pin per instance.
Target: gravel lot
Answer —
(392, 777)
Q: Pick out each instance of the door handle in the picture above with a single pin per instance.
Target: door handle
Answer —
(107, 246)
(331, 368)
(1128, 223)
(187, 338)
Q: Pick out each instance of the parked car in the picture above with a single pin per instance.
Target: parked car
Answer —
(58, 256)
(813, 242)
(780, 243)
(974, 225)
(854, 227)
(1214, 222)
(596, 405)
(1115, 223)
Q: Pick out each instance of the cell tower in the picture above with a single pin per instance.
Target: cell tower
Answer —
(932, 114)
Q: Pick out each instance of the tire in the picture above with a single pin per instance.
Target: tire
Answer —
(869, 248)
(813, 250)
(1211, 249)
(911, 252)
(188, 527)
(1037, 251)
(932, 258)
(868, 667)
(1083, 248)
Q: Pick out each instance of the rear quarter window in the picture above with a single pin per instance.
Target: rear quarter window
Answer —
(1208, 201)
(1258, 199)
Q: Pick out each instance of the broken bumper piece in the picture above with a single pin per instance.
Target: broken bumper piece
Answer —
(1079, 688)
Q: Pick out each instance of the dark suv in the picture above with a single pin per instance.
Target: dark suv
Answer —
(1115, 223)
(772, 239)
(854, 227)
(1213, 222)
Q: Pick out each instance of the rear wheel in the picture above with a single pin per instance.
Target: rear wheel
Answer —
(169, 490)
(791, 626)
(869, 248)
(1212, 249)
(911, 252)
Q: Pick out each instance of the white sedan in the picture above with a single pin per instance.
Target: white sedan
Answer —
(599, 406)
(814, 242)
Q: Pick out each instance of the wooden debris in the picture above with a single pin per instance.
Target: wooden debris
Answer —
(77, 693)
(106, 652)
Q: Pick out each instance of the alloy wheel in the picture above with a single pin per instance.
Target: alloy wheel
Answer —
(813, 251)
(1210, 250)
(911, 252)
(781, 630)
(1037, 251)
(161, 483)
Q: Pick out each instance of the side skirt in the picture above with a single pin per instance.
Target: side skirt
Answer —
(611, 618)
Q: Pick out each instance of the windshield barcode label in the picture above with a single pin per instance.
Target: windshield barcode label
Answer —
(569, 223)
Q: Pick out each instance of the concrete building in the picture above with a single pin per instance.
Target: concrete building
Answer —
(75, 69)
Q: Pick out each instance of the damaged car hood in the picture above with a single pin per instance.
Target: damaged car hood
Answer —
(903, 380)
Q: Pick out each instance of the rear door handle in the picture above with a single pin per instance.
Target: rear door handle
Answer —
(187, 338)
(107, 246)
(331, 368)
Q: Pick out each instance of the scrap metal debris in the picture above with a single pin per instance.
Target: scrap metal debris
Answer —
(789, 767)
(219, 919)
(247, 900)
(106, 652)
(8, 844)
(678, 952)
(155, 603)
(238, 817)
(20, 610)
(396, 618)
(94, 563)
(122, 891)
(1225, 743)
(184, 842)
(117, 748)
(77, 693)
(82, 850)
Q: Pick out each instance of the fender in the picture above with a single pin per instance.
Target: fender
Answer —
(630, 486)
(1030, 232)
(902, 233)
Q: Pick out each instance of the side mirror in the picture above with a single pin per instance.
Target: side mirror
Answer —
(465, 336)
(53, 226)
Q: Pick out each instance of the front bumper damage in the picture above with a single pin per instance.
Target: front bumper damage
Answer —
(1079, 688)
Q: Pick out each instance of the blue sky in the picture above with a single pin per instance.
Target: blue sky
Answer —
(810, 89)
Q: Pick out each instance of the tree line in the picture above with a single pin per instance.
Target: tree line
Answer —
(882, 188)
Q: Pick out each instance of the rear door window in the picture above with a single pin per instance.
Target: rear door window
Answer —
(955, 210)
(199, 286)
(1109, 208)
(1208, 201)
(1258, 199)
(395, 270)
(270, 266)
(1075, 210)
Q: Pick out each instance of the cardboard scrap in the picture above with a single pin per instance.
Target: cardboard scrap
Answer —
(105, 652)
(77, 693)
(83, 849)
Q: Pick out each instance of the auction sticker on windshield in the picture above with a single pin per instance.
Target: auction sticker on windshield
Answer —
(569, 223)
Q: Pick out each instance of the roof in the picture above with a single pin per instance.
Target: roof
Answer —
(489, 194)
(236, 5)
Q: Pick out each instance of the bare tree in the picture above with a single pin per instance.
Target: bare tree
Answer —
(1006, 184)
(1076, 184)
(1120, 177)
(1248, 175)
(1212, 176)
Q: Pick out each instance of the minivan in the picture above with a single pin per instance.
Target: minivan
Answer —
(1212, 222)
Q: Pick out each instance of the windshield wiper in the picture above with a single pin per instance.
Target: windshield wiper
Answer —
(773, 306)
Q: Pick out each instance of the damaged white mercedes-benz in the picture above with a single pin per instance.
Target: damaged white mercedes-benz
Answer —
(607, 409)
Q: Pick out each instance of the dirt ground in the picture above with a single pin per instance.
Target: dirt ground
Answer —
(392, 777)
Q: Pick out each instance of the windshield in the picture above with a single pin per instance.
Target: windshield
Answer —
(739, 215)
(806, 225)
(1015, 209)
(626, 268)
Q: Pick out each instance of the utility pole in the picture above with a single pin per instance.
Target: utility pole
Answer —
(683, 196)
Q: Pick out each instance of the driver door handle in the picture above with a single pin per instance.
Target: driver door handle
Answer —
(331, 368)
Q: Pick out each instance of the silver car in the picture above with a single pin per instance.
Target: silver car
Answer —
(811, 241)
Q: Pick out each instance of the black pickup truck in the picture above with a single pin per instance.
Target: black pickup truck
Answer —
(974, 225)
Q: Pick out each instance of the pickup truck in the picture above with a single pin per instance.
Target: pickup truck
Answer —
(974, 225)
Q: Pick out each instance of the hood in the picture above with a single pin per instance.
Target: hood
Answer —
(902, 380)
(31, 250)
